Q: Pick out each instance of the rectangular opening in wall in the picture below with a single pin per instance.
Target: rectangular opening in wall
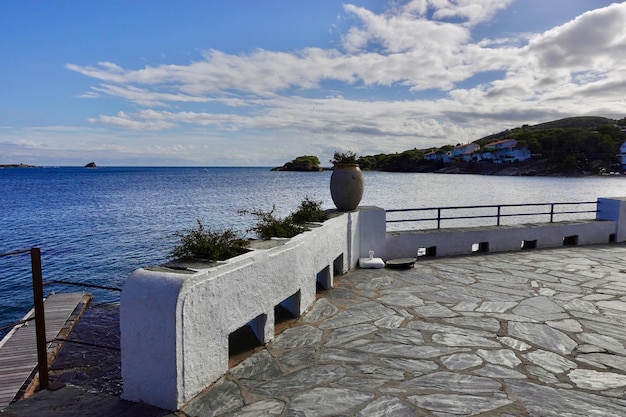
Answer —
(612, 238)
(286, 311)
(529, 244)
(324, 280)
(245, 339)
(338, 265)
(480, 247)
(570, 240)
(429, 252)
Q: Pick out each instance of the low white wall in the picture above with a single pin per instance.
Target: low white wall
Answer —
(609, 225)
(175, 325)
(450, 242)
(614, 209)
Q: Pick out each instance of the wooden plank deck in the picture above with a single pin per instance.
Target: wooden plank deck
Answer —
(18, 350)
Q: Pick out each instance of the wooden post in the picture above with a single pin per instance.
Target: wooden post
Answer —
(40, 321)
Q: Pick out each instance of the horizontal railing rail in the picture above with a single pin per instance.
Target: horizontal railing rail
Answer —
(494, 211)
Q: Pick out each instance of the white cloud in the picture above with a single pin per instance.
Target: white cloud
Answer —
(125, 121)
(595, 40)
(414, 49)
(145, 97)
(402, 32)
(474, 11)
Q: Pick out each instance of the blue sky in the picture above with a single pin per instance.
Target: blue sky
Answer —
(249, 83)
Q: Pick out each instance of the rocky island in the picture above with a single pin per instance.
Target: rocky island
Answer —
(17, 166)
(304, 163)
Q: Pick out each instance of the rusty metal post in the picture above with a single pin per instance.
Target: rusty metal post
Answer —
(40, 321)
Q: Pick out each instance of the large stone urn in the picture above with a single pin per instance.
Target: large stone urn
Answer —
(346, 186)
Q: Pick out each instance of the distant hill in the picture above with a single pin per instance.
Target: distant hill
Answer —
(570, 146)
(582, 122)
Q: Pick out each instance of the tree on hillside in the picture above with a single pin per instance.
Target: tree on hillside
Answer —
(306, 159)
(301, 163)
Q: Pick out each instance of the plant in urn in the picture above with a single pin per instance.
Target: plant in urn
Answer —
(346, 181)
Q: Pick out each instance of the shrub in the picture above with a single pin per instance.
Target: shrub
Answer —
(344, 158)
(206, 244)
(268, 225)
(309, 211)
(307, 159)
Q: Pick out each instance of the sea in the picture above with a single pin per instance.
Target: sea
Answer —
(96, 226)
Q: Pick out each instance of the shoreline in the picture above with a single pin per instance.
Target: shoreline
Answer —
(2, 166)
(513, 169)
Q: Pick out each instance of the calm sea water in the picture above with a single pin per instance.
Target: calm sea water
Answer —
(98, 225)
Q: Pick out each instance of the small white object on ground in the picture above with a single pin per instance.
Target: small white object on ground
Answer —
(371, 263)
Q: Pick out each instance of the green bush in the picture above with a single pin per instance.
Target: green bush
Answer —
(206, 244)
(307, 159)
(344, 158)
(268, 225)
(309, 211)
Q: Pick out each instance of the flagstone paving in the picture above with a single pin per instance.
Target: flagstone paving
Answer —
(537, 333)
(530, 333)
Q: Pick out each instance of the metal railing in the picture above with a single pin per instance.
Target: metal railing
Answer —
(496, 211)
(40, 321)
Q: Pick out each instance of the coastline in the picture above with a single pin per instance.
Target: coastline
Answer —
(17, 166)
(525, 169)
(540, 168)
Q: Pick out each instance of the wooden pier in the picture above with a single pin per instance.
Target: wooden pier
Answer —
(18, 349)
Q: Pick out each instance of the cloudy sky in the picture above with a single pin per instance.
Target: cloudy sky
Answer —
(257, 83)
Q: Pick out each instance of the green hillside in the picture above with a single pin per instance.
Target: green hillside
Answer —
(575, 143)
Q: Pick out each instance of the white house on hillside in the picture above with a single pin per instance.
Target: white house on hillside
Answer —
(505, 150)
(622, 156)
(463, 152)
(431, 156)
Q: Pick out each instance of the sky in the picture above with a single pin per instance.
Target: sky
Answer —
(258, 83)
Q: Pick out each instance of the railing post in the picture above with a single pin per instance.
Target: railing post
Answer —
(40, 322)
(498, 216)
(439, 218)
(551, 212)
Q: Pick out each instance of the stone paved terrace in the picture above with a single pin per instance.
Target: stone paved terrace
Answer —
(529, 333)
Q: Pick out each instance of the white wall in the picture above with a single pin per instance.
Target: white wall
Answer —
(460, 241)
(610, 225)
(614, 209)
(175, 326)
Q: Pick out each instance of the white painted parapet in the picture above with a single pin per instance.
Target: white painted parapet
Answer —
(465, 241)
(609, 226)
(614, 209)
(175, 324)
